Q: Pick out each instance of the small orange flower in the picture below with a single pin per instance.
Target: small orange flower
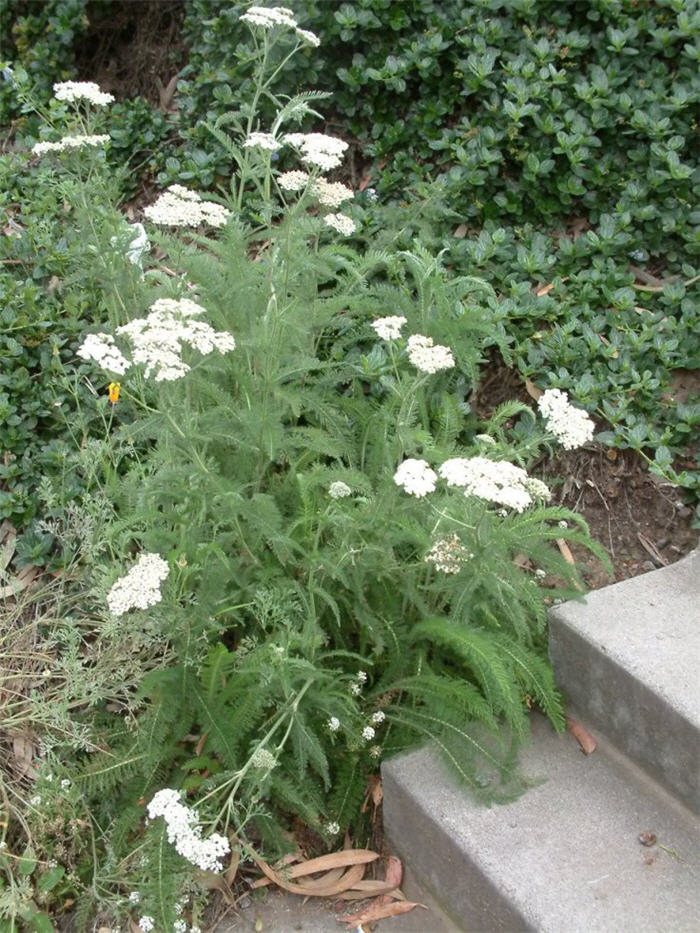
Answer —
(114, 392)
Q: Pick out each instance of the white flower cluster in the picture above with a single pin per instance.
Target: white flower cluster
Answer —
(360, 679)
(180, 207)
(270, 16)
(496, 481)
(102, 349)
(293, 181)
(140, 587)
(368, 733)
(426, 357)
(325, 152)
(378, 718)
(339, 490)
(331, 193)
(69, 142)
(137, 246)
(572, 426)
(146, 924)
(416, 477)
(264, 141)
(448, 554)
(332, 828)
(263, 759)
(157, 339)
(341, 223)
(389, 328)
(81, 90)
(333, 724)
(184, 832)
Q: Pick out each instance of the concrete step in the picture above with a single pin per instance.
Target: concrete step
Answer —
(628, 660)
(564, 858)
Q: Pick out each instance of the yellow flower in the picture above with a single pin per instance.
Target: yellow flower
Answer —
(114, 392)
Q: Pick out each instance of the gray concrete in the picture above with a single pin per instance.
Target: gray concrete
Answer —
(274, 911)
(564, 858)
(629, 659)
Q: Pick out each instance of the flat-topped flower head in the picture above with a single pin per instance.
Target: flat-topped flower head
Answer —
(180, 207)
(325, 152)
(571, 426)
(497, 481)
(448, 554)
(331, 193)
(308, 36)
(140, 587)
(72, 91)
(339, 490)
(427, 357)
(264, 141)
(416, 477)
(70, 142)
(269, 16)
(293, 181)
(340, 223)
(102, 349)
(184, 832)
(389, 328)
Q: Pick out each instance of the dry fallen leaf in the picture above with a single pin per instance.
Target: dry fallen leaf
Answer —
(380, 912)
(351, 862)
(532, 389)
(460, 232)
(583, 737)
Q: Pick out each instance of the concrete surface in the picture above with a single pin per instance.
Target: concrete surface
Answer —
(276, 911)
(629, 659)
(564, 858)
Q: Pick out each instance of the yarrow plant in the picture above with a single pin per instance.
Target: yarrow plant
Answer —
(340, 550)
(570, 425)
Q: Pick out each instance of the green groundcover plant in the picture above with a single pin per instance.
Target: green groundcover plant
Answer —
(297, 550)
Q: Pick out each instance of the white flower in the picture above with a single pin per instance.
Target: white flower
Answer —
(375, 751)
(101, 348)
(69, 142)
(180, 926)
(572, 426)
(146, 924)
(485, 439)
(35, 800)
(332, 828)
(415, 477)
(448, 554)
(540, 573)
(65, 784)
(563, 524)
(325, 152)
(538, 489)
(180, 207)
(137, 246)
(339, 490)
(184, 832)
(496, 481)
(134, 897)
(355, 689)
(426, 357)
(293, 181)
(378, 718)
(308, 36)
(341, 223)
(157, 339)
(368, 733)
(140, 587)
(389, 328)
(263, 759)
(329, 193)
(333, 724)
(81, 90)
(264, 141)
(361, 677)
(269, 17)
